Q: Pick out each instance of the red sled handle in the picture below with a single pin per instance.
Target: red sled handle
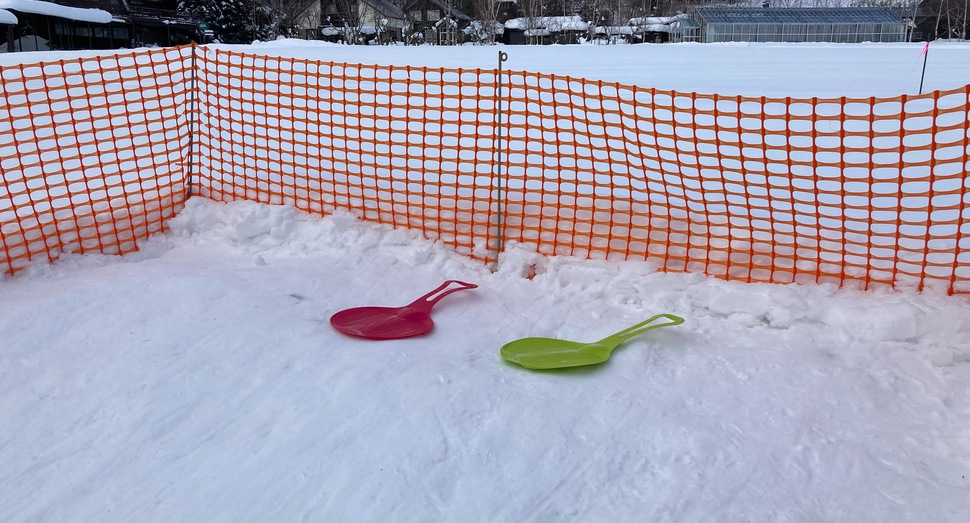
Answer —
(428, 301)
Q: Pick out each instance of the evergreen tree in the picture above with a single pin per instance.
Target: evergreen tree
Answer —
(228, 19)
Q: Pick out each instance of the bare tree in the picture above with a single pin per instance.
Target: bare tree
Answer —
(954, 14)
(599, 15)
(276, 18)
(486, 12)
(532, 11)
(349, 17)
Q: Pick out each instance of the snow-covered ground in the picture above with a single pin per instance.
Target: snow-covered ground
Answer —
(797, 70)
(199, 379)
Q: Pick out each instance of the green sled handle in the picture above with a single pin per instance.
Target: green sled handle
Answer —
(552, 353)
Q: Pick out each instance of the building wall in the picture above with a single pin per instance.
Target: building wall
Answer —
(372, 18)
(842, 33)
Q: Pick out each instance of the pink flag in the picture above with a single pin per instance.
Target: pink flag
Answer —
(926, 49)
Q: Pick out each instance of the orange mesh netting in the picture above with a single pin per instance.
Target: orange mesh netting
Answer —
(872, 191)
(405, 146)
(851, 191)
(91, 152)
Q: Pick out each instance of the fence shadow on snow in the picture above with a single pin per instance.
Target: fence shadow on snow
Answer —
(96, 153)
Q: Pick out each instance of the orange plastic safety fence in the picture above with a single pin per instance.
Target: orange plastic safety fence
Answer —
(405, 146)
(850, 191)
(92, 152)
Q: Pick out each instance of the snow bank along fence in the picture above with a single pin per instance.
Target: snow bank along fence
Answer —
(98, 152)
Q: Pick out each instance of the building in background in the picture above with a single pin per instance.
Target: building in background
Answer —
(685, 30)
(797, 24)
(544, 30)
(94, 24)
(938, 19)
(438, 22)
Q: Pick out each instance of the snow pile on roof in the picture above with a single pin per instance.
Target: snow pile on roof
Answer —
(614, 29)
(476, 27)
(656, 20)
(551, 23)
(39, 7)
(284, 42)
(6, 17)
(656, 24)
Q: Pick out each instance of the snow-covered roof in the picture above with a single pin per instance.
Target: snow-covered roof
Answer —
(655, 20)
(629, 29)
(477, 27)
(685, 23)
(614, 29)
(6, 17)
(552, 23)
(39, 7)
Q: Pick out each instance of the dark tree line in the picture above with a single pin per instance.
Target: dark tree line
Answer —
(243, 21)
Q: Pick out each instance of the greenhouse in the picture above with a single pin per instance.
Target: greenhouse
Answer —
(829, 24)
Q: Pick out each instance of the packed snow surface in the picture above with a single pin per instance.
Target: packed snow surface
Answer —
(199, 379)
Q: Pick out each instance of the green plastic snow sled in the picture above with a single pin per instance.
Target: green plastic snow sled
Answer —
(551, 353)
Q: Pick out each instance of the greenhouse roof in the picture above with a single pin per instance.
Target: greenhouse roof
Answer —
(797, 15)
